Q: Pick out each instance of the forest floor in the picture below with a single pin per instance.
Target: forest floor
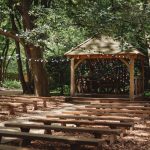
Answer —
(136, 139)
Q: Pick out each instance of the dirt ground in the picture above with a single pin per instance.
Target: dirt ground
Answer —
(136, 139)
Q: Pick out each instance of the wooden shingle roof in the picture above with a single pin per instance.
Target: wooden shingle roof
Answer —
(100, 46)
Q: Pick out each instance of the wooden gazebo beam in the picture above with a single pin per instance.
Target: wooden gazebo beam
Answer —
(131, 92)
(142, 60)
(72, 86)
(74, 65)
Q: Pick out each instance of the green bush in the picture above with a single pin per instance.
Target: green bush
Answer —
(11, 84)
(147, 93)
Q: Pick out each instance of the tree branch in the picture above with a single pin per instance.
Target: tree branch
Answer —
(11, 35)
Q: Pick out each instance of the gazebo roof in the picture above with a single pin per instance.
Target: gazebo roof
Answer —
(101, 46)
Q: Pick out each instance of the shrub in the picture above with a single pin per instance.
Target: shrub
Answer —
(11, 84)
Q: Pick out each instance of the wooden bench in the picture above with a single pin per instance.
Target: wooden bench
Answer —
(112, 125)
(8, 147)
(83, 117)
(108, 100)
(24, 102)
(118, 107)
(97, 132)
(11, 106)
(111, 102)
(122, 104)
(93, 113)
(30, 100)
(74, 142)
(115, 111)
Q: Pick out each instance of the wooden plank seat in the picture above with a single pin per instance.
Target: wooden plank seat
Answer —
(83, 117)
(112, 125)
(108, 100)
(25, 99)
(73, 141)
(95, 113)
(112, 102)
(97, 132)
(8, 147)
(11, 106)
(122, 104)
(24, 102)
(44, 101)
(115, 111)
(118, 107)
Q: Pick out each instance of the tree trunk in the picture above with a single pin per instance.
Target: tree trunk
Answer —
(26, 88)
(35, 53)
(38, 71)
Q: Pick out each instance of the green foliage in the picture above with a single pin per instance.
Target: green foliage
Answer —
(54, 31)
(147, 94)
(125, 20)
(56, 91)
(11, 84)
(58, 69)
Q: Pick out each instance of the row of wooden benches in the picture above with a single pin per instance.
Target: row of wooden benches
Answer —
(27, 98)
(75, 143)
(117, 127)
(11, 105)
(140, 110)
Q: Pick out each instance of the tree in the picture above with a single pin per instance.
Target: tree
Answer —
(40, 27)
(34, 52)
(124, 20)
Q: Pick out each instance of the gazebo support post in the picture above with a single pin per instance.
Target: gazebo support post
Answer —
(72, 91)
(142, 76)
(132, 60)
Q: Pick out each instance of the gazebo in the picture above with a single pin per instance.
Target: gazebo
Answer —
(101, 51)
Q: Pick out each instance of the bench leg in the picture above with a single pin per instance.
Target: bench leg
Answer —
(74, 146)
(63, 124)
(113, 127)
(25, 142)
(35, 105)
(97, 135)
(113, 138)
(25, 130)
(77, 125)
(48, 131)
(11, 110)
(0, 139)
(99, 146)
(44, 103)
(24, 106)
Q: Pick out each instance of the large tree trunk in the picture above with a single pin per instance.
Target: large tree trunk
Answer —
(39, 73)
(35, 53)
